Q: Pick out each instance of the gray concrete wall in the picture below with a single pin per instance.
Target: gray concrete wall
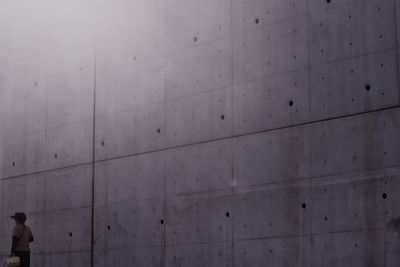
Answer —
(216, 132)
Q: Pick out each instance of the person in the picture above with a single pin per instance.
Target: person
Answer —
(21, 237)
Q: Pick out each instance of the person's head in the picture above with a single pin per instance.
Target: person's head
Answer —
(19, 217)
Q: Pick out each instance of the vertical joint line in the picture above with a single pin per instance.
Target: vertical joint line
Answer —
(308, 14)
(93, 140)
(233, 211)
(397, 46)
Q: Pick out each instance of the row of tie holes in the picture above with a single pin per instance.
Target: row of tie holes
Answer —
(257, 20)
(291, 104)
(227, 214)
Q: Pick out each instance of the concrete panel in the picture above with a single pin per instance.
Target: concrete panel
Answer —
(2, 102)
(71, 39)
(354, 29)
(136, 85)
(151, 44)
(1, 198)
(150, 128)
(275, 102)
(272, 50)
(199, 69)
(3, 49)
(24, 154)
(132, 225)
(199, 168)
(138, 130)
(78, 259)
(116, 92)
(134, 257)
(196, 22)
(276, 211)
(7, 225)
(33, 152)
(341, 204)
(37, 260)
(200, 117)
(357, 85)
(24, 28)
(2, 119)
(1, 158)
(25, 115)
(372, 248)
(99, 259)
(150, 83)
(115, 135)
(36, 222)
(70, 144)
(149, 175)
(268, 157)
(365, 142)
(249, 14)
(198, 255)
(69, 188)
(396, 5)
(116, 43)
(69, 103)
(100, 231)
(121, 23)
(14, 162)
(67, 230)
(321, 6)
(24, 193)
(281, 251)
(130, 179)
(198, 219)
(100, 183)
(33, 82)
(66, 65)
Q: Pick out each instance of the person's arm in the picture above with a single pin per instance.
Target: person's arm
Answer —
(14, 244)
(14, 235)
(30, 235)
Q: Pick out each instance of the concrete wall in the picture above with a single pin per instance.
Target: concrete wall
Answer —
(218, 132)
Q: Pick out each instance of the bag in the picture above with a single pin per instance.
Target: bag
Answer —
(13, 261)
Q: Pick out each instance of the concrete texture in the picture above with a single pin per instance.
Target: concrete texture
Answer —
(202, 133)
